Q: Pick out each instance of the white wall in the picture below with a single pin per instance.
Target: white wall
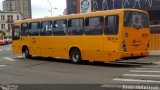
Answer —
(6, 21)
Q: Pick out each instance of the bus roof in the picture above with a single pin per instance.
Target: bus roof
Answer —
(91, 14)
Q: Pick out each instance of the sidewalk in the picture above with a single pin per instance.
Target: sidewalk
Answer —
(154, 53)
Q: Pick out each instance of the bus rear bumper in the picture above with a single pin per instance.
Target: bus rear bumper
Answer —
(135, 54)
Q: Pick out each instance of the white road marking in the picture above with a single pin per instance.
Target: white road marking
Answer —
(9, 59)
(136, 80)
(150, 66)
(110, 86)
(3, 65)
(141, 75)
(20, 56)
(145, 71)
(142, 68)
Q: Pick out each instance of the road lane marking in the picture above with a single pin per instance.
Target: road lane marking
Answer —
(110, 86)
(143, 68)
(3, 65)
(136, 80)
(145, 71)
(141, 75)
(9, 59)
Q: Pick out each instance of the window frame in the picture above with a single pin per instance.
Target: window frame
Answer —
(26, 29)
(41, 28)
(146, 25)
(65, 33)
(83, 26)
(102, 25)
(30, 28)
(118, 24)
(19, 33)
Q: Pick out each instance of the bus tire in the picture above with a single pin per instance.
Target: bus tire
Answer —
(26, 53)
(75, 56)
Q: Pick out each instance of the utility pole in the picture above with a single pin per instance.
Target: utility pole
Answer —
(50, 6)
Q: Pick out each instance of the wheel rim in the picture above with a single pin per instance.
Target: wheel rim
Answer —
(75, 57)
(26, 53)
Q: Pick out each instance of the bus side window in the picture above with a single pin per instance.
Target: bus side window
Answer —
(75, 27)
(111, 25)
(46, 28)
(16, 33)
(60, 27)
(24, 29)
(94, 25)
(34, 29)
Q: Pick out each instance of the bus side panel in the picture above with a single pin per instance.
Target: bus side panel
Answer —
(43, 44)
(48, 46)
(112, 47)
(57, 47)
(16, 47)
(91, 47)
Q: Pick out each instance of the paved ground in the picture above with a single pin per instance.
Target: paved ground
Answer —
(155, 52)
(16, 70)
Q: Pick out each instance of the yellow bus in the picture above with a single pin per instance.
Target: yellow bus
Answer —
(97, 36)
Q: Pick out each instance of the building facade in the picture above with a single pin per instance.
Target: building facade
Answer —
(72, 6)
(6, 22)
(24, 7)
(21, 6)
(9, 5)
(82, 6)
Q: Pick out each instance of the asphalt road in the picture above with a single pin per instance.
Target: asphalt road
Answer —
(61, 74)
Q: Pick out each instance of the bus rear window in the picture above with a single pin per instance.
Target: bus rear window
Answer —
(136, 19)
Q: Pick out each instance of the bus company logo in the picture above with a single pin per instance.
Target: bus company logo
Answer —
(112, 38)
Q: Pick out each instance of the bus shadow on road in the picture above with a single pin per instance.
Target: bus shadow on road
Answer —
(108, 64)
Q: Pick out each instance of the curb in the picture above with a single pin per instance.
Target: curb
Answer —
(153, 55)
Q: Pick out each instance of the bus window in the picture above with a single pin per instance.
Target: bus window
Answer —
(75, 27)
(24, 29)
(136, 19)
(60, 27)
(16, 33)
(111, 25)
(34, 29)
(46, 29)
(94, 26)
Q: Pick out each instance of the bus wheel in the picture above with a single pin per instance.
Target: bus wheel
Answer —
(26, 53)
(75, 56)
